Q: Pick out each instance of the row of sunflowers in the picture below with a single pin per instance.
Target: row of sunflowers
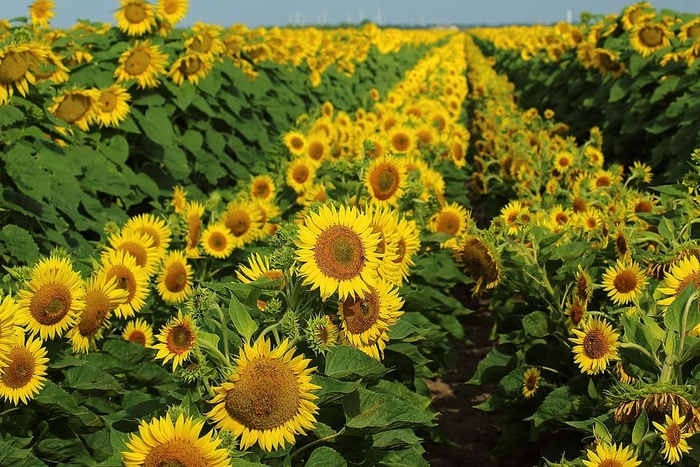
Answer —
(268, 320)
(595, 276)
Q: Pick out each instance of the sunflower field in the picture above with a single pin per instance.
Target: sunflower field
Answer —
(225, 246)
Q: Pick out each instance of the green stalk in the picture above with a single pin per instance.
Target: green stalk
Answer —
(317, 442)
(224, 328)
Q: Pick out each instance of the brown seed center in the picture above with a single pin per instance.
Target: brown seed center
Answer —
(300, 174)
(339, 253)
(20, 369)
(50, 304)
(238, 221)
(137, 62)
(12, 67)
(625, 281)
(252, 402)
(673, 435)
(97, 308)
(176, 278)
(201, 43)
(384, 181)
(170, 7)
(361, 314)
(73, 107)
(174, 453)
(108, 101)
(595, 345)
(651, 36)
(137, 337)
(448, 222)
(400, 142)
(217, 241)
(135, 13)
(180, 339)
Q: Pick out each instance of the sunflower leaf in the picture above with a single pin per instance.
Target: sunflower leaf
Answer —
(673, 319)
(324, 456)
(349, 363)
(244, 324)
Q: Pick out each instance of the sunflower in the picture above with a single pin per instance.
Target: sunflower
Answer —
(685, 272)
(531, 381)
(364, 321)
(259, 266)
(589, 220)
(78, 107)
(130, 277)
(316, 193)
(321, 334)
(177, 339)
(624, 281)
(452, 219)
(386, 180)
(401, 139)
(101, 298)
(139, 332)
(596, 345)
(48, 69)
(269, 212)
(193, 218)
(295, 142)
(611, 455)
(218, 241)
(301, 173)
(337, 251)
(138, 245)
(674, 437)
(142, 62)
(385, 223)
(408, 245)
(24, 370)
(636, 14)
(608, 63)
(175, 278)
(584, 285)
(262, 187)
(162, 442)
(318, 147)
(478, 260)
(647, 38)
(15, 71)
(575, 310)
(267, 399)
(135, 17)
(9, 310)
(244, 220)
(172, 11)
(51, 299)
(179, 200)
(206, 40)
(690, 30)
(150, 225)
(41, 12)
(563, 161)
(112, 106)
(513, 216)
(191, 66)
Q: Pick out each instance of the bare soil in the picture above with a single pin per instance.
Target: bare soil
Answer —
(470, 433)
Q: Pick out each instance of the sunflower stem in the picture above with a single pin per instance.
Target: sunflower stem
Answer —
(214, 351)
(651, 436)
(10, 410)
(684, 324)
(224, 328)
(268, 329)
(632, 345)
(358, 193)
(317, 442)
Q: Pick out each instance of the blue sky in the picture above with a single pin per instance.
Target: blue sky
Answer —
(281, 12)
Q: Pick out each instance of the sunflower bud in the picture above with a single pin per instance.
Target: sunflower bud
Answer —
(290, 325)
(321, 334)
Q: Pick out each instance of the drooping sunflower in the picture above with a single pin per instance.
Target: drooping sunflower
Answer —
(452, 219)
(301, 173)
(386, 180)
(674, 436)
(51, 299)
(135, 17)
(408, 245)
(624, 282)
(608, 62)
(258, 266)
(385, 222)
(244, 220)
(179, 199)
(41, 12)
(15, 71)
(77, 107)
(152, 226)
(596, 345)
(611, 455)
(121, 266)
(647, 38)
(144, 63)
(162, 442)
(112, 106)
(138, 245)
(101, 298)
(337, 251)
(172, 11)
(365, 321)
(175, 278)
(177, 339)
(193, 219)
(268, 398)
(531, 381)
(479, 261)
(139, 332)
(191, 66)
(262, 187)
(218, 241)
(9, 310)
(24, 371)
(685, 272)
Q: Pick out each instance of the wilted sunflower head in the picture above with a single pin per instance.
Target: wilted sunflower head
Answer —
(479, 261)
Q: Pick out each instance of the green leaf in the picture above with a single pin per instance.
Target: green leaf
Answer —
(244, 324)
(19, 243)
(556, 406)
(349, 363)
(641, 426)
(601, 432)
(91, 378)
(637, 355)
(325, 457)
(11, 455)
(666, 228)
(9, 115)
(370, 412)
(535, 324)
(617, 92)
(331, 388)
(59, 401)
(673, 319)
(192, 140)
(156, 125)
(498, 362)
